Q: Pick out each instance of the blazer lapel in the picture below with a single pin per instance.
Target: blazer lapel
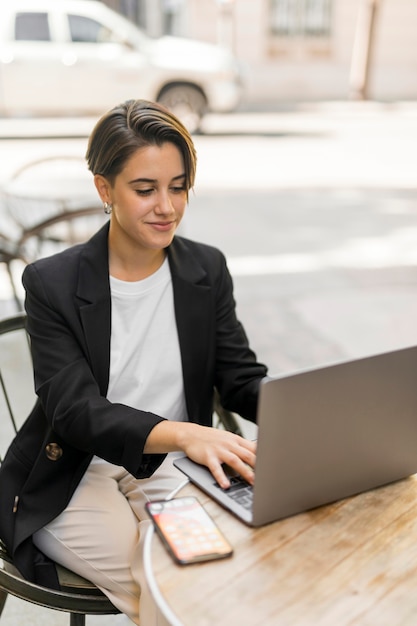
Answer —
(194, 321)
(93, 294)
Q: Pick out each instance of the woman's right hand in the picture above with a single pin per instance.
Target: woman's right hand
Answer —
(207, 446)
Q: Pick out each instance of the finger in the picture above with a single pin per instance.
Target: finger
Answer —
(219, 475)
(245, 451)
(240, 462)
(248, 474)
(247, 456)
(244, 470)
(250, 445)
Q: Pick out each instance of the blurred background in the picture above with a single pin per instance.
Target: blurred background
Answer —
(298, 50)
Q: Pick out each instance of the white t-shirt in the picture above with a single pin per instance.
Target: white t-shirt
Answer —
(145, 358)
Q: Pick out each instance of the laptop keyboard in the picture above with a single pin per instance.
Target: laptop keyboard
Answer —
(240, 491)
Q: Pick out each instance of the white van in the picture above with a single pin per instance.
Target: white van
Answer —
(60, 57)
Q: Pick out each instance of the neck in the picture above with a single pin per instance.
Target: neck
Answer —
(132, 273)
(133, 265)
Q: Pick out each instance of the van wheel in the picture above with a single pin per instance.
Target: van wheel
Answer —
(187, 102)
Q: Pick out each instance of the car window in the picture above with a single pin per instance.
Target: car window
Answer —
(32, 27)
(86, 30)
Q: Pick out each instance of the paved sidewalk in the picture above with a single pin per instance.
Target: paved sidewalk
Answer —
(19, 613)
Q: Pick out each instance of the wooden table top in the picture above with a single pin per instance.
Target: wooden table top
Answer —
(351, 562)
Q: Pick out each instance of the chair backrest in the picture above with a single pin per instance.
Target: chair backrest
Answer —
(48, 186)
(10, 254)
(54, 204)
(17, 395)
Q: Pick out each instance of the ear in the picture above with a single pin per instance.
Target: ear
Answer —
(103, 187)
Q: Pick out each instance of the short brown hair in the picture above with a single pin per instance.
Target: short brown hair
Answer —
(130, 126)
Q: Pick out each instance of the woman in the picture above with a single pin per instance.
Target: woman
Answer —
(131, 332)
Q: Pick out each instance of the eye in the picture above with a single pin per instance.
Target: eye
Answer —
(178, 189)
(143, 192)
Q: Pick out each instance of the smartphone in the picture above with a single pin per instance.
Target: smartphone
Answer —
(187, 530)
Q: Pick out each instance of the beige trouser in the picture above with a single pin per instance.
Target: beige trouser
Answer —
(100, 534)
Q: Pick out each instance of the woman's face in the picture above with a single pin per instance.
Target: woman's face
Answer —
(149, 197)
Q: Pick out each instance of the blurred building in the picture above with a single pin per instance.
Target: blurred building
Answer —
(300, 49)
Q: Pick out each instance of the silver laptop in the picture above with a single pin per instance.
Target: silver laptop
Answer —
(325, 434)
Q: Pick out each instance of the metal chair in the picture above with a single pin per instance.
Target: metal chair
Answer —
(77, 596)
(54, 204)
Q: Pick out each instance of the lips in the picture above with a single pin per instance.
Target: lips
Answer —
(161, 226)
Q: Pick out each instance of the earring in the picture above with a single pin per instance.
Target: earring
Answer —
(107, 208)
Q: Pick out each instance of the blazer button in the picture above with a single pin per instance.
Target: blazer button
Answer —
(53, 451)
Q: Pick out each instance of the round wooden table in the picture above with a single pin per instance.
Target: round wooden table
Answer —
(351, 562)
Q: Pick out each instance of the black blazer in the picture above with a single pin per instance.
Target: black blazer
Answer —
(69, 320)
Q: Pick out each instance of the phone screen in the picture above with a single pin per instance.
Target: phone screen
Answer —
(187, 530)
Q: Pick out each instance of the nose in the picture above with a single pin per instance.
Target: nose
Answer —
(164, 204)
